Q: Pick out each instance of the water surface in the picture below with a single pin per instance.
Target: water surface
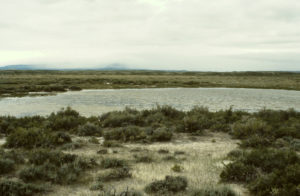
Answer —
(95, 102)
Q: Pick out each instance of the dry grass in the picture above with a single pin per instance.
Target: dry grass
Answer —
(202, 163)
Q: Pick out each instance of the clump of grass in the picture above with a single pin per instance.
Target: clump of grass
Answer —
(15, 188)
(94, 140)
(115, 175)
(111, 143)
(71, 146)
(102, 151)
(178, 152)
(143, 158)
(169, 158)
(214, 191)
(163, 151)
(169, 185)
(113, 163)
(177, 168)
(97, 186)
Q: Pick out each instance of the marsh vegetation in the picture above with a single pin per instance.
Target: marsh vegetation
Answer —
(158, 151)
(21, 83)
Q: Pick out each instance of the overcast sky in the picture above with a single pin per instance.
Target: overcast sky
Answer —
(204, 35)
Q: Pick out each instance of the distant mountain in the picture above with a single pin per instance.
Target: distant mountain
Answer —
(112, 67)
(20, 67)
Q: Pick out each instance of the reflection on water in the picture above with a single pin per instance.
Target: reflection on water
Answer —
(95, 102)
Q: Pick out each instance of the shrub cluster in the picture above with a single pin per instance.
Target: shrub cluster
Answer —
(266, 170)
(54, 166)
(34, 137)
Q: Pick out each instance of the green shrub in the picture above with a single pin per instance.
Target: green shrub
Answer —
(169, 185)
(59, 138)
(238, 172)
(34, 138)
(26, 138)
(236, 154)
(65, 119)
(256, 141)
(6, 166)
(215, 191)
(53, 166)
(113, 163)
(126, 134)
(268, 171)
(270, 159)
(89, 129)
(15, 156)
(279, 182)
(250, 127)
(41, 156)
(14, 188)
(121, 118)
(161, 135)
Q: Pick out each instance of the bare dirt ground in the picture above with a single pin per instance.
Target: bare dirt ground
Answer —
(201, 157)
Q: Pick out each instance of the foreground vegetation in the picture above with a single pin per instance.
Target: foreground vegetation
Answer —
(21, 83)
(41, 153)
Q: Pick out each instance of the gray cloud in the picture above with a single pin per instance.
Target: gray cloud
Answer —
(204, 35)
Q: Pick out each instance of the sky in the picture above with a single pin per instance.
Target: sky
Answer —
(202, 35)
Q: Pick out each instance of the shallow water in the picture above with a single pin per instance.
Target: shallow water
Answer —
(95, 102)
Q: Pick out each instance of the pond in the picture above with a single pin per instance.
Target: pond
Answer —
(96, 102)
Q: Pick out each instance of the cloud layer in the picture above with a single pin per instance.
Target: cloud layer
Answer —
(215, 35)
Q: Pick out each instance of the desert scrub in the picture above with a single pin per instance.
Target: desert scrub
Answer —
(15, 188)
(89, 129)
(214, 191)
(169, 185)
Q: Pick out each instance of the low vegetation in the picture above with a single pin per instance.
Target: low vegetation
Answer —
(51, 150)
